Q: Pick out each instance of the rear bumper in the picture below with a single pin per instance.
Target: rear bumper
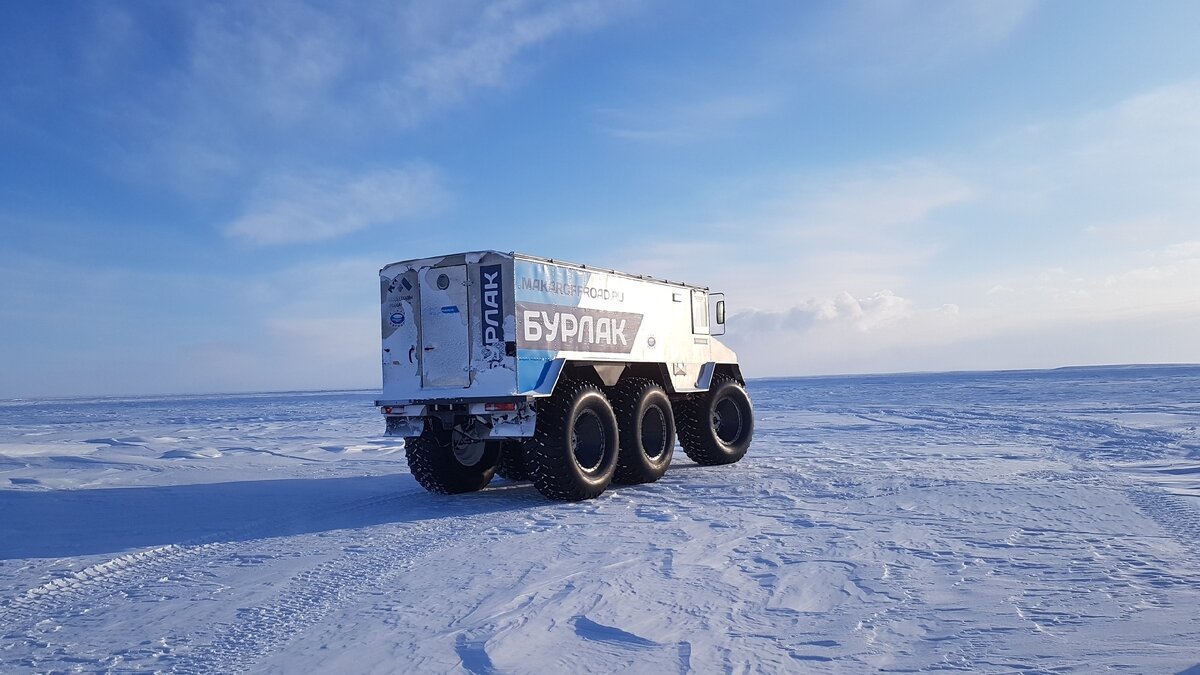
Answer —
(449, 400)
(484, 419)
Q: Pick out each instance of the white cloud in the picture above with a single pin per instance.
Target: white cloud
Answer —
(844, 311)
(841, 333)
(1125, 172)
(380, 63)
(1184, 250)
(876, 311)
(886, 41)
(879, 43)
(856, 231)
(275, 61)
(1167, 283)
(249, 79)
(1108, 198)
(481, 53)
(287, 209)
(1083, 225)
(1051, 318)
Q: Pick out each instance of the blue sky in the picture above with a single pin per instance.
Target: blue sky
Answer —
(197, 196)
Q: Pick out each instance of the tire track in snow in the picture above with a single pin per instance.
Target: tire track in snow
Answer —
(58, 595)
(1080, 433)
(312, 594)
(1175, 515)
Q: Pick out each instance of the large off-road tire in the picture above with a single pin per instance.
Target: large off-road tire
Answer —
(647, 430)
(573, 454)
(716, 427)
(512, 460)
(445, 467)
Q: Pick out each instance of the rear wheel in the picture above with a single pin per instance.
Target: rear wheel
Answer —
(573, 453)
(512, 461)
(448, 463)
(716, 427)
(647, 430)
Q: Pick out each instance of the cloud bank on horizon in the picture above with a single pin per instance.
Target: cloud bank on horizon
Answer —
(197, 197)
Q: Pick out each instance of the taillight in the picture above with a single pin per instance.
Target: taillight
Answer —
(499, 407)
(387, 410)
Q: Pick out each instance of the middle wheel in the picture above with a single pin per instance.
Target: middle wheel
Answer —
(647, 430)
(573, 453)
(512, 460)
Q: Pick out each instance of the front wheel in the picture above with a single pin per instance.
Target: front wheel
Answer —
(446, 464)
(573, 453)
(716, 427)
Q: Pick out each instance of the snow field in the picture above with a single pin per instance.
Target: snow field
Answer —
(995, 522)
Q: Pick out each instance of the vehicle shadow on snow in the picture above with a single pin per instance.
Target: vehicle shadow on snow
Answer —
(63, 523)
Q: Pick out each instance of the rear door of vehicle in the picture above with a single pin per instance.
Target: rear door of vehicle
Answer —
(445, 327)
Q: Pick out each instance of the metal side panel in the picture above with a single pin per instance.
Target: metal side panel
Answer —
(445, 327)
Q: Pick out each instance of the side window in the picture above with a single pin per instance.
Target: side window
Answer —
(699, 312)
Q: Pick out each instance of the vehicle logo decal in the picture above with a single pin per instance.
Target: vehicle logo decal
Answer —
(579, 329)
(491, 299)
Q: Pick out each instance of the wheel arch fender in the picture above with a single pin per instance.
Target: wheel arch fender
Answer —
(713, 371)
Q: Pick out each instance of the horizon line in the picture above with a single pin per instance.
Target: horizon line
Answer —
(334, 390)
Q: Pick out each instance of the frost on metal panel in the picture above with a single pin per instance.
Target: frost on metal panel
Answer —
(399, 305)
(449, 337)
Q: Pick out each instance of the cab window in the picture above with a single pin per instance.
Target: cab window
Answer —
(699, 312)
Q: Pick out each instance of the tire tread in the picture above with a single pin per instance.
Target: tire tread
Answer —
(692, 427)
(422, 455)
(512, 461)
(624, 398)
(545, 458)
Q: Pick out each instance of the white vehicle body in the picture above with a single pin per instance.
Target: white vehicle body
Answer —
(485, 333)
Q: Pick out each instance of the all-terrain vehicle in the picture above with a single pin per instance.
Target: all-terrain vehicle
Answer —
(563, 374)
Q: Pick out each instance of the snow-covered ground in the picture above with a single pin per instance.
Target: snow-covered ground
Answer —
(999, 522)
